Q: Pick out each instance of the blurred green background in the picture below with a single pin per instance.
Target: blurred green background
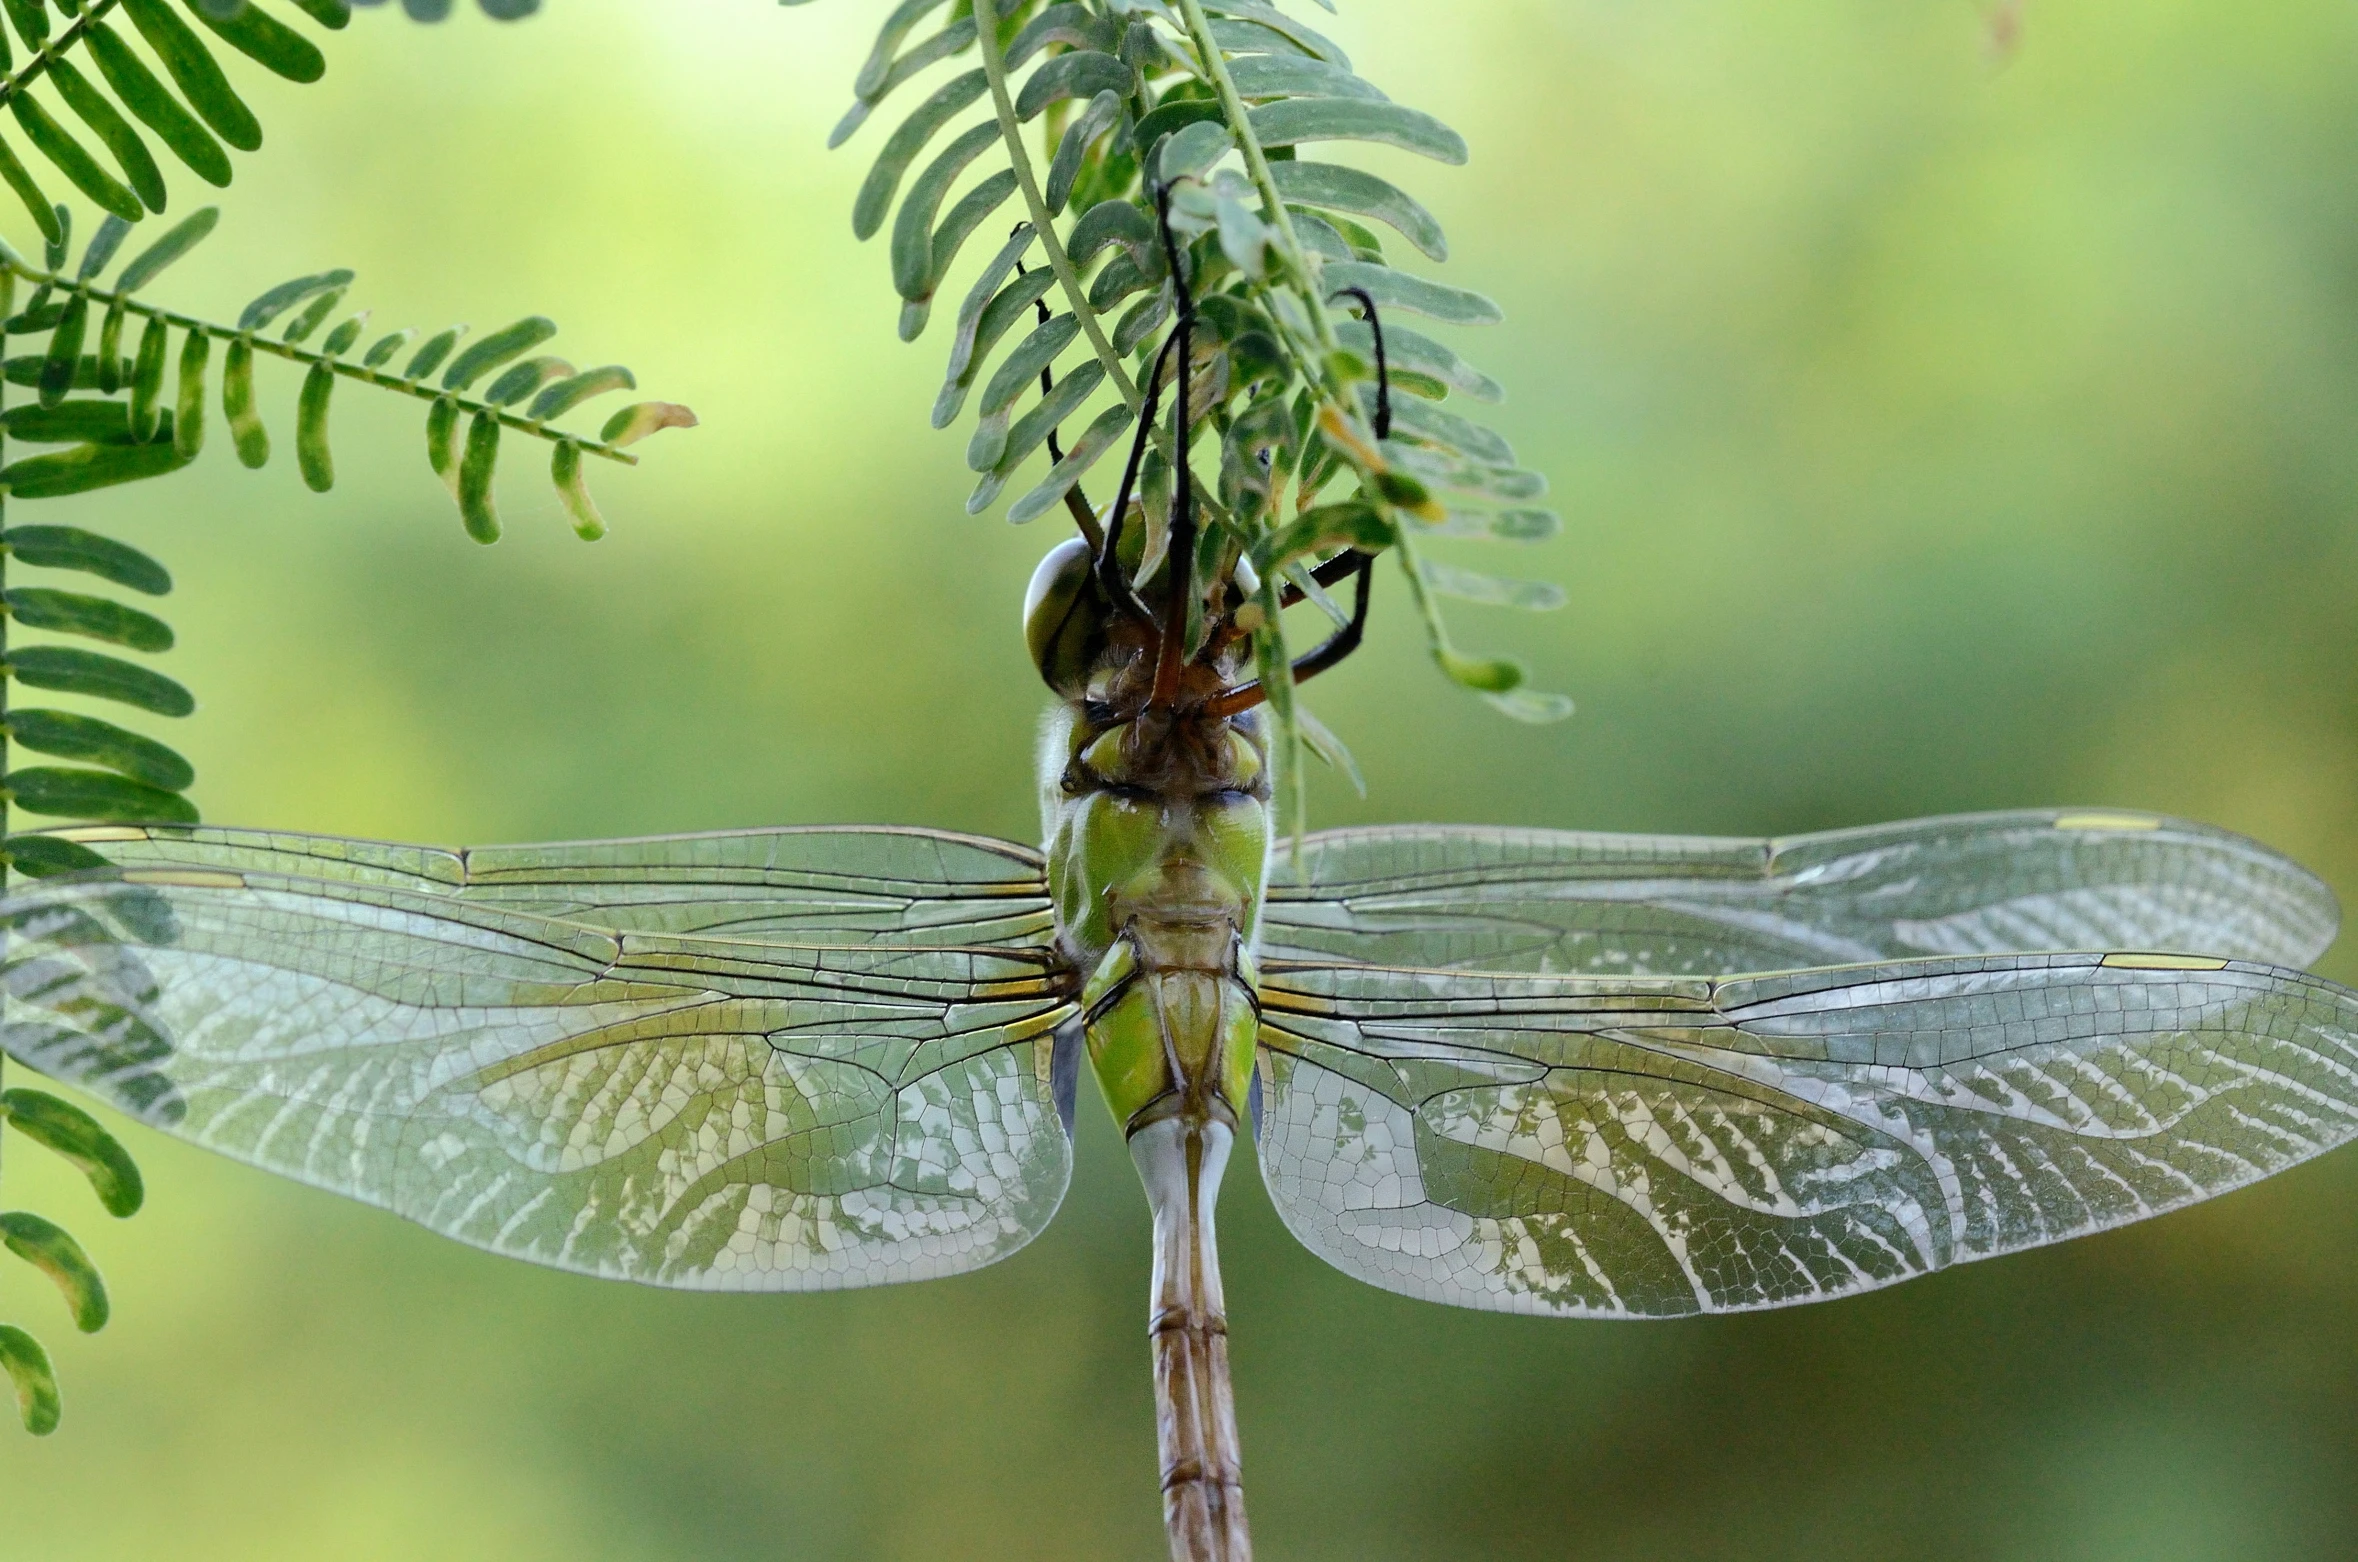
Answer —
(1932, 433)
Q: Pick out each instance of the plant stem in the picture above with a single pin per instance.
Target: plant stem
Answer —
(307, 356)
(1240, 125)
(994, 58)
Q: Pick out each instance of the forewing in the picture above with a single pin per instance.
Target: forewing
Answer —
(680, 1111)
(1462, 897)
(828, 885)
(1655, 1147)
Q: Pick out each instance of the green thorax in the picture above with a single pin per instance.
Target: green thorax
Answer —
(1158, 835)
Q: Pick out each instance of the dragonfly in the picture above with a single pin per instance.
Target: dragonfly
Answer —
(1536, 1071)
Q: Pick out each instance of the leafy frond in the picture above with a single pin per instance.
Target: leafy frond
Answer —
(123, 416)
(83, 69)
(1079, 113)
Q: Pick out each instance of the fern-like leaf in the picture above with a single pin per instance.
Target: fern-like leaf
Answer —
(123, 433)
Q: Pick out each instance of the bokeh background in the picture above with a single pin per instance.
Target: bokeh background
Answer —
(1934, 432)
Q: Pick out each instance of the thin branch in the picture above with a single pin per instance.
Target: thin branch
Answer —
(1240, 125)
(994, 58)
(310, 357)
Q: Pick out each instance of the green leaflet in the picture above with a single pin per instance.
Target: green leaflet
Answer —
(99, 253)
(47, 1248)
(474, 485)
(1418, 295)
(1192, 149)
(69, 422)
(565, 472)
(561, 396)
(95, 618)
(312, 456)
(268, 42)
(1439, 426)
(521, 380)
(1490, 675)
(1295, 76)
(67, 670)
(20, 179)
(278, 300)
(46, 856)
(1074, 26)
(985, 317)
(340, 340)
(1102, 114)
(87, 467)
(237, 405)
(67, 1131)
(1171, 117)
(383, 350)
(1530, 705)
(108, 124)
(95, 794)
(336, 14)
(951, 41)
(1293, 121)
(510, 342)
(1414, 353)
(430, 356)
(178, 240)
(1519, 525)
(110, 349)
(192, 67)
(897, 27)
(69, 736)
(313, 317)
(1084, 453)
(188, 417)
(1120, 222)
(1439, 469)
(1536, 596)
(27, 1365)
(442, 442)
(1024, 362)
(31, 20)
(901, 148)
(912, 234)
(65, 351)
(1336, 188)
(1033, 428)
(973, 209)
(70, 547)
(161, 112)
(1296, 36)
(1352, 523)
(1083, 73)
(636, 422)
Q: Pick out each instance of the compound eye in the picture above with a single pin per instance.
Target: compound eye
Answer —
(1064, 618)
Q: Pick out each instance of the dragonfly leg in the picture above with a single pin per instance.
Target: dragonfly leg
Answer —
(1179, 558)
(1231, 702)
(1350, 561)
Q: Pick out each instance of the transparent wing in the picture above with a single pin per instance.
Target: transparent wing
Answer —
(680, 1111)
(1650, 1147)
(1456, 897)
(849, 885)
